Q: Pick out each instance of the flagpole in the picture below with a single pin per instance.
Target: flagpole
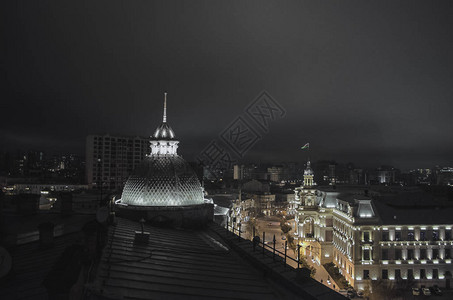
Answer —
(307, 146)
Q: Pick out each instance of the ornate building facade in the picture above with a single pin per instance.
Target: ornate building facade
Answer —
(313, 219)
(373, 237)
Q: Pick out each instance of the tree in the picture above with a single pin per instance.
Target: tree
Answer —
(367, 289)
(252, 227)
(285, 228)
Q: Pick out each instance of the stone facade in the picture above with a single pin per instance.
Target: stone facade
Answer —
(369, 239)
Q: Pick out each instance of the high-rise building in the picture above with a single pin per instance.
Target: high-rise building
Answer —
(275, 173)
(243, 172)
(111, 159)
(238, 172)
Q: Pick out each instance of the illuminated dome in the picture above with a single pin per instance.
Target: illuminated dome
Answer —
(163, 178)
(164, 132)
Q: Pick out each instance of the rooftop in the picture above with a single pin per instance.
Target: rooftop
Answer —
(397, 213)
(200, 264)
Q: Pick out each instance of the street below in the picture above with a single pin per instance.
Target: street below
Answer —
(271, 227)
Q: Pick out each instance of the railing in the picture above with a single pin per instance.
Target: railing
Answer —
(261, 245)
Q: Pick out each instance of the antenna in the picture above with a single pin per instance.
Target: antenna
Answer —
(165, 107)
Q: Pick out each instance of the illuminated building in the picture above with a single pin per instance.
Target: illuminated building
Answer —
(376, 235)
(163, 178)
(264, 202)
(313, 219)
(111, 159)
(243, 172)
(164, 182)
(275, 173)
(390, 240)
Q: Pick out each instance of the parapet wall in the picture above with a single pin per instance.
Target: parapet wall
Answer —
(192, 216)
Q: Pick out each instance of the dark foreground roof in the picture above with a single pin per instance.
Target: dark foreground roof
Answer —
(182, 264)
(31, 265)
(33, 262)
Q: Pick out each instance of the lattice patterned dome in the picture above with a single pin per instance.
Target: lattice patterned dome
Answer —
(163, 180)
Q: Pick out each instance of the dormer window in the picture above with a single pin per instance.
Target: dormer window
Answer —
(365, 210)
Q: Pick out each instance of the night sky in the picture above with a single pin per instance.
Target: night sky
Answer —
(367, 82)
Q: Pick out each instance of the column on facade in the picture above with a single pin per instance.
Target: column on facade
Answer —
(404, 252)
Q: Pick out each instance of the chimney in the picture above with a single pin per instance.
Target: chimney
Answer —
(46, 234)
(142, 237)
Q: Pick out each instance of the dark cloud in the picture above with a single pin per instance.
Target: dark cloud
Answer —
(362, 81)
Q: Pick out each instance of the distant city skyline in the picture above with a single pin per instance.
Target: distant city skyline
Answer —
(372, 94)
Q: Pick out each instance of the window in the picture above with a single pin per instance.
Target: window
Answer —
(410, 236)
(422, 236)
(398, 254)
(422, 274)
(385, 254)
(410, 274)
(447, 234)
(329, 236)
(366, 254)
(385, 235)
(435, 254)
(397, 235)
(422, 253)
(329, 222)
(410, 254)
(385, 274)
(366, 236)
(397, 273)
(366, 274)
(435, 235)
(435, 273)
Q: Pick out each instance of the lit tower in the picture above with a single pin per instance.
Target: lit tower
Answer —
(164, 188)
(308, 176)
(306, 194)
(307, 206)
(163, 140)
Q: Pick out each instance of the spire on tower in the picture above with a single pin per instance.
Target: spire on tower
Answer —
(165, 107)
